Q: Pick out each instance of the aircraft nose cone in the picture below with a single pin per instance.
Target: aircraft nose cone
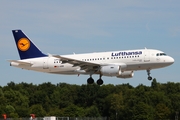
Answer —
(171, 60)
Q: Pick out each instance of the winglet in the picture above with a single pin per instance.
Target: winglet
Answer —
(25, 46)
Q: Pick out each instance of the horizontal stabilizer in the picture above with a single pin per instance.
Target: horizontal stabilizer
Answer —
(20, 62)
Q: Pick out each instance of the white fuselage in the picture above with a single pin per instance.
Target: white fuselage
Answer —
(141, 59)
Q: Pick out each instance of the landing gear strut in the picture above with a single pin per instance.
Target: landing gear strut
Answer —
(148, 73)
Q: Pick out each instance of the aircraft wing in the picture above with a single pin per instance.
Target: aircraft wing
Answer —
(20, 62)
(87, 66)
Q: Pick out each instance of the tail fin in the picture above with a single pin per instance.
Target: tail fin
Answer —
(25, 47)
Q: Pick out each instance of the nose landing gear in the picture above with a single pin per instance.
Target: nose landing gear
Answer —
(148, 73)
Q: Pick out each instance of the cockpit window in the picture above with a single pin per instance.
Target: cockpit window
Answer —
(160, 54)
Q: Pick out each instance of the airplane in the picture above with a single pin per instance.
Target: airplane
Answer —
(120, 64)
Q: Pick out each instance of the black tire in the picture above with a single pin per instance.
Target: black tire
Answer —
(90, 80)
(99, 81)
(149, 78)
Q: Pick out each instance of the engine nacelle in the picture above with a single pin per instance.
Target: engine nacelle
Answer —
(110, 70)
(126, 74)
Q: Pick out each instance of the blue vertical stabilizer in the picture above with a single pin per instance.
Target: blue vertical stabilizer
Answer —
(25, 47)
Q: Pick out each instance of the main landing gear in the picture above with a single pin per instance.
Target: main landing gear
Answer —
(90, 80)
(148, 73)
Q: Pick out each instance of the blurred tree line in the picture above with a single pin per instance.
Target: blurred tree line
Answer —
(125, 102)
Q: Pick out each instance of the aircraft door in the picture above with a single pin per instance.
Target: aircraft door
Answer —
(45, 63)
(147, 56)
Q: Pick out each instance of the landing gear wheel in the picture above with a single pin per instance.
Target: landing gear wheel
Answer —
(99, 81)
(90, 80)
(149, 78)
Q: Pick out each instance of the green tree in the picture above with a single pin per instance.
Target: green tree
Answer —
(2, 102)
(100, 101)
(162, 111)
(64, 95)
(56, 112)
(87, 95)
(159, 101)
(92, 112)
(37, 110)
(22, 111)
(11, 112)
(115, 104)
(154, 84)
(142, 111)
(16, 98)
(74, 111)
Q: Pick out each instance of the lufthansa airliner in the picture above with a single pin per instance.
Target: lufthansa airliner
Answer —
(120, 64)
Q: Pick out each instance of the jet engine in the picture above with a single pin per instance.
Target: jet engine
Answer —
(110, 70)
(126, 74)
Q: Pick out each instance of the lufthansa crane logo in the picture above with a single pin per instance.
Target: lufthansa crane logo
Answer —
(23, 44)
